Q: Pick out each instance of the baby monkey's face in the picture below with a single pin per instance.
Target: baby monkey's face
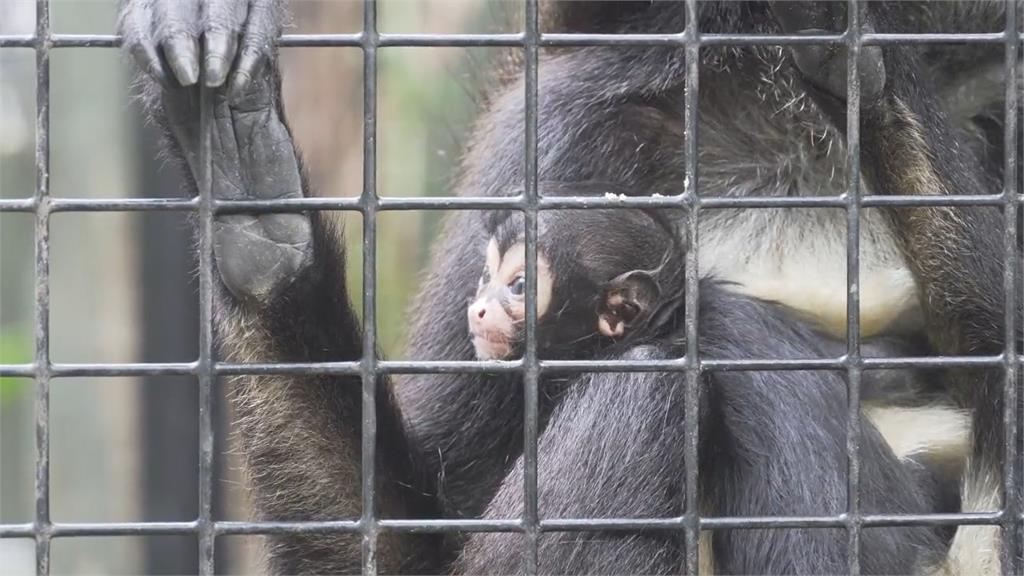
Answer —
(497, 313)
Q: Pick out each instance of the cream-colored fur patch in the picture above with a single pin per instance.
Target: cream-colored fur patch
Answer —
(975, 549)
(935, 430)
(797, 257)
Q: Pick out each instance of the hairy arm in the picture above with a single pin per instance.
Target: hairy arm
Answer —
(910, 146)
(281, 292)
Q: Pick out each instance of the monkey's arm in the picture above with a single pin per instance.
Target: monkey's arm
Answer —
(910, 146)
(957, 254)
(280, 297)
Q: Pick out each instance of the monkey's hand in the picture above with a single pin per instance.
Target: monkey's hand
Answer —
(824, 67)
(252, 153)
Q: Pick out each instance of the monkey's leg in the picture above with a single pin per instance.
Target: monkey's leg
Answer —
(281, 297)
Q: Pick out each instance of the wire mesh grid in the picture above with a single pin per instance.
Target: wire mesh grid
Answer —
(1010, 518)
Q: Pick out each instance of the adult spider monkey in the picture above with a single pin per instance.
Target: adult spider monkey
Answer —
(449, 443)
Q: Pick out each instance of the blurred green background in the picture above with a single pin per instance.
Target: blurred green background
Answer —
(122, 284)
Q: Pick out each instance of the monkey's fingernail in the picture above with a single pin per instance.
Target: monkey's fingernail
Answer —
(239, 84)
(220, 52)
(250, 63)
(216, 70)
(147, 59)
(181, 54)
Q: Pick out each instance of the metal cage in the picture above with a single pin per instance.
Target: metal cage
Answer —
(207, 368)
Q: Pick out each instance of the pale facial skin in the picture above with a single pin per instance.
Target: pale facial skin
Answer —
(497, 313)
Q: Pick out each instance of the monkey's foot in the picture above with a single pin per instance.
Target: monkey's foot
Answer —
(824, 67)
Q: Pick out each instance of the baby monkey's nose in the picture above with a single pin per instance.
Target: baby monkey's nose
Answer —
(483, 315)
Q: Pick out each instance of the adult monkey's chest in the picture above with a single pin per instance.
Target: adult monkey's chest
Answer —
(798, 257)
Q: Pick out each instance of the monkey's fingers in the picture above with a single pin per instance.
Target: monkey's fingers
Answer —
(824, 67)
(262, 27)
(222, 24)
(825, 17)
(136, 27)
(175, 31)
(164, 36)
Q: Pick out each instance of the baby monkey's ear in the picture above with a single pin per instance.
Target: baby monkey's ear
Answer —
(626, 301)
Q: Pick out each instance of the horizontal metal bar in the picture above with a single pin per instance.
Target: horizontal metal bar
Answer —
(17, 205)
(877, 39)
(24, 530)
(462, 525)
(599, 202)
(17, 370)
(358, 40)
(224, 528)
(68, 530)
(81, 529)
(748, 522)
(67, 370)
(133, 369)
(62, 41)
(123, 204)
(113, 370)
(318, 526)
(27, 205)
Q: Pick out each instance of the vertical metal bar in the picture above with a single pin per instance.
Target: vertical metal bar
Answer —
(691, 432)
(530, 375)
(853, 369)
(42, 288)
(205, 371)
(369, 201)
(1011, 554)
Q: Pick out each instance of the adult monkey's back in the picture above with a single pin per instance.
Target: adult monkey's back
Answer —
(282, 295)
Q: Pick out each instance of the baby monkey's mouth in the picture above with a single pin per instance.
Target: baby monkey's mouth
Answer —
(492, 345)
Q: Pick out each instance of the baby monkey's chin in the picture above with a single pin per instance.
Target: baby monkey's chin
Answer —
(492, 349)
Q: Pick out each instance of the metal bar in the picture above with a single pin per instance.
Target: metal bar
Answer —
(853, 430)
(1011, 542)
(531, 374)
(487, 203)
(690, 199)
(498, 367)
(69, 529)
(749, 522)
(204, 369)
(42, 525)
(369, 202)
(356, 40)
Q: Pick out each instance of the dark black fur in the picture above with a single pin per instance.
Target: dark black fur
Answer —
(587, 250)
(771, 443)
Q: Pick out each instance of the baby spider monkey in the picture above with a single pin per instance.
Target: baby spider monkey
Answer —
(603, 276)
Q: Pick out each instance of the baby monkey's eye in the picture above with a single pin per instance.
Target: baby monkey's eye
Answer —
(517, 286)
